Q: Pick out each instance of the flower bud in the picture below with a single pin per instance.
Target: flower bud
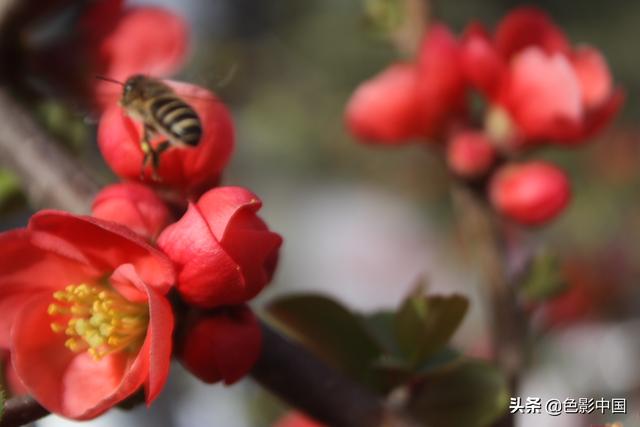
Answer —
(383, 109)
(133, 205)
(221, 346)
(530, 193)
(296, 419)
(224, 253)
(186, 170)
(470, 154)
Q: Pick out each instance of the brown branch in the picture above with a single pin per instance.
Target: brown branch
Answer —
(21, 410)
(508, 324)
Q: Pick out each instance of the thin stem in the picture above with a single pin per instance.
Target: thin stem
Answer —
(508, 324)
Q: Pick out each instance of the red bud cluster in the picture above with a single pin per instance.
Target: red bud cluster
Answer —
(537, 89)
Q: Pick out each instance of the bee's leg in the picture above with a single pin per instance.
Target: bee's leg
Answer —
(149, 152)
(161, 148)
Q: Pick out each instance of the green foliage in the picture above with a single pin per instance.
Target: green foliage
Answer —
(469, 394)
(10, 192)
(384, 16)
(424, 324)
(331, 331)
(544, 278)
(2, 400)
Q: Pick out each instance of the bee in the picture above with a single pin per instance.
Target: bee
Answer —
(162, 112)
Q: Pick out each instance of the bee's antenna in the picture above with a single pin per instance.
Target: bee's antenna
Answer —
(109, 79)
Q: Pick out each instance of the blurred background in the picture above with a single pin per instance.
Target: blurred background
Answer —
(364, 224)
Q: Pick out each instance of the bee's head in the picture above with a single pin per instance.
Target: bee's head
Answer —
(133, 89)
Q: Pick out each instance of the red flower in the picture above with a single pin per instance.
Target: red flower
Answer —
(186, 170)
(133, 205)
(124, 41)
(83, 312)
(470, 154)
(296, 419)
(221, 346)
(224, 252)
(530, 193)
(415, 100)
(538, 84)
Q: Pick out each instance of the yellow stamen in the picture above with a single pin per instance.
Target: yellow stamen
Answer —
(98, 320)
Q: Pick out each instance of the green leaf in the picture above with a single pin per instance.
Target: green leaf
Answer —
(331, 331)
(384, 16)
(424, 324)
(468, 394)
(544, 279)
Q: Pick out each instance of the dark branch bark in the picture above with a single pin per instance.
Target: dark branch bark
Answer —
(320, 391)
(21, 410)
(50, 177)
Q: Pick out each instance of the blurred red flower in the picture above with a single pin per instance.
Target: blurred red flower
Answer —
(133, 205)
(83, 312)
(222, 345)
(224, 252)
(121, 41)
(411, 100)
(470, 154)
(540, 87)
(529, 193)
(188, 171)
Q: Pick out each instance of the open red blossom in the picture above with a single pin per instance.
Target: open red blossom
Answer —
(545, 89)
(224, 252)
(83, 312)
(530, 193)
(133, 205)
(411, 100)
(121, 41)
(222, 345)
(188, 171)
(470, 154)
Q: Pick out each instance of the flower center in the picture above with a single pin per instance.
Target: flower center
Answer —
(101, 321)
(499, 125)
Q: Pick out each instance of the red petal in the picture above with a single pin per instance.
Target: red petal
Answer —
(481, 63)
(529, 26)
(67, 383)
(187, 170)
(219, 205)
(296, 419)
(441, 85)
(159, 333)
(543, 94)
(134, 206)
(27, 270)
(222, 346)
(383, 108)
(208, 276)
(593, 75)
(530, 193)
(106, 245)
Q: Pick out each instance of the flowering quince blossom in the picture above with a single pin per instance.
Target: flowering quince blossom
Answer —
(188, 171)
(540, 88)
(121, 41)
(411, 100)
(470, 154)
(8, 373)
(84, 313)
(133, 205)
(224, 253)
(529, 193)
(222, 345)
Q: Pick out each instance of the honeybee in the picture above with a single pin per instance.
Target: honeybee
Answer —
(162, 112)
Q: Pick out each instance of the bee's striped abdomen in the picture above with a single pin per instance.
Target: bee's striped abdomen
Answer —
(177, 118)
